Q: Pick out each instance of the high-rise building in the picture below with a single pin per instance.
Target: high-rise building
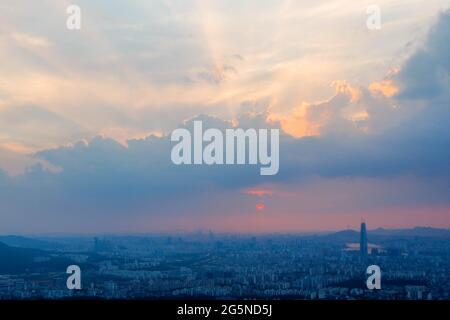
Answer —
(363, 242)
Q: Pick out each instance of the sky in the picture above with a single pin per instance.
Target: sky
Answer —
(86, 115)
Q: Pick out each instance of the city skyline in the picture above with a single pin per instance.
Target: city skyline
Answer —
(199, 231)
(414, 266)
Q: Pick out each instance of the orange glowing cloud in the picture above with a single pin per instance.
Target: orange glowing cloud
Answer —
(385, 87)
(257, 192)
(309, 119)
(297, 124)
(260, 206)
(341, 86)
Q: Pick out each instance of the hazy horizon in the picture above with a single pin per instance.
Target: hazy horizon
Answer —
(206, 232)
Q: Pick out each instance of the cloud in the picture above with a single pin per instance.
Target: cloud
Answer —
(351, 110)
(28, 41)
(384, 87)
(167, 61)
(16, 164)
(426, 74)
(350, 148)
(258, 192)
(33, 128)
(103, 179)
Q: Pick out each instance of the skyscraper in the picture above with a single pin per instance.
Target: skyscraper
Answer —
(363, 242)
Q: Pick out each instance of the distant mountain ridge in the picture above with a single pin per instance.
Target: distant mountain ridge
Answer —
(350, 235)
(15, 260)
(26, 242)
(414, 232)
